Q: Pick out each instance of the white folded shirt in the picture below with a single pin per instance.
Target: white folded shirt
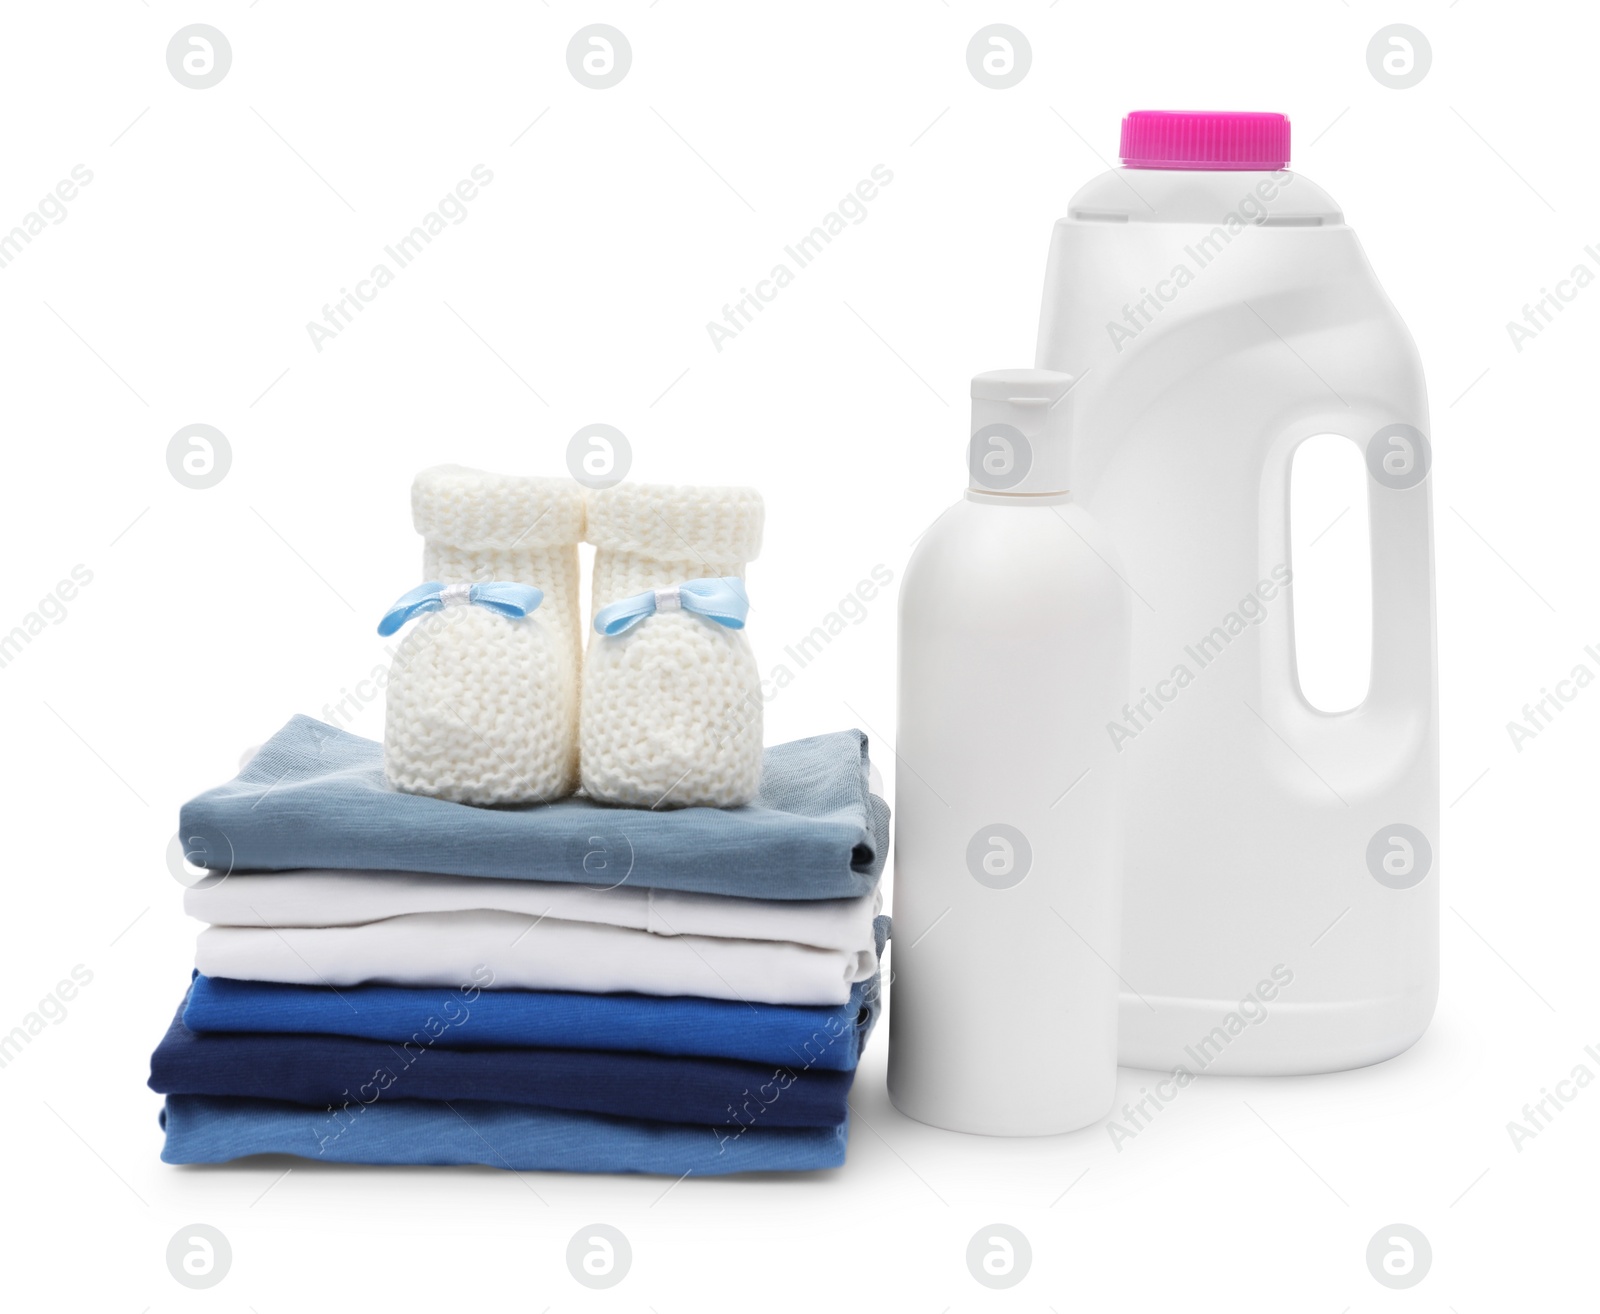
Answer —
(349, 898)
(532, 952)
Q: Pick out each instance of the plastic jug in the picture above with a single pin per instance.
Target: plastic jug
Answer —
(1003, 1016)
(1281, 878)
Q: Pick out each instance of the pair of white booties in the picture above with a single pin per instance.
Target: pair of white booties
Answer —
(484, 702)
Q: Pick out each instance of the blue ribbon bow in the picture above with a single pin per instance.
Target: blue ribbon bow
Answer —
(510, 600)
(721, 600)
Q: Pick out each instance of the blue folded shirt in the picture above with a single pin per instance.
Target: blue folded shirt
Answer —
(215, 1129)
(829, 1039)
(315, 796)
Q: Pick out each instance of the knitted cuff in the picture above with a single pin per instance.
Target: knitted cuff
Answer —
(671, 523)
(478, 511)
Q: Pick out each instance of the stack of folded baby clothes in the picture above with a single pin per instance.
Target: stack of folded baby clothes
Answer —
(394, 978)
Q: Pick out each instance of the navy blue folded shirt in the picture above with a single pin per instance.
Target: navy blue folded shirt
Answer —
(339, 1071)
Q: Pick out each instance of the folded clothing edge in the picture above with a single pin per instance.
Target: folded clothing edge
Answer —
(817, 822)
(220, 1129)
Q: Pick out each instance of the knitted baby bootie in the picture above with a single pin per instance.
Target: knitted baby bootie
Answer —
(483, 692)
(671, 695)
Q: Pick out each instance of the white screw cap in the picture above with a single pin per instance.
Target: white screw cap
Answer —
(1021, 432)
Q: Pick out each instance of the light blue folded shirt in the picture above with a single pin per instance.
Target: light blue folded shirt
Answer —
(215, 1129)
(315, 796)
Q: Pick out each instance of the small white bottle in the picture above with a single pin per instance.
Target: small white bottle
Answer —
(1014, 638)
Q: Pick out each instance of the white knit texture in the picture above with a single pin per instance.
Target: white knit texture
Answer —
(482, 708)
(672, 708)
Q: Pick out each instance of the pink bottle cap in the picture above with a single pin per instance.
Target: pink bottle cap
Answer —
(1190, 139)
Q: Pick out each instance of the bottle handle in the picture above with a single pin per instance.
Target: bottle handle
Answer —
(1363, 745)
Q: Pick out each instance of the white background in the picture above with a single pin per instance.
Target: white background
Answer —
(218, 222)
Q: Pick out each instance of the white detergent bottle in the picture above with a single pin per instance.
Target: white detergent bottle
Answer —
(1013, 654)
(1281, 878)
